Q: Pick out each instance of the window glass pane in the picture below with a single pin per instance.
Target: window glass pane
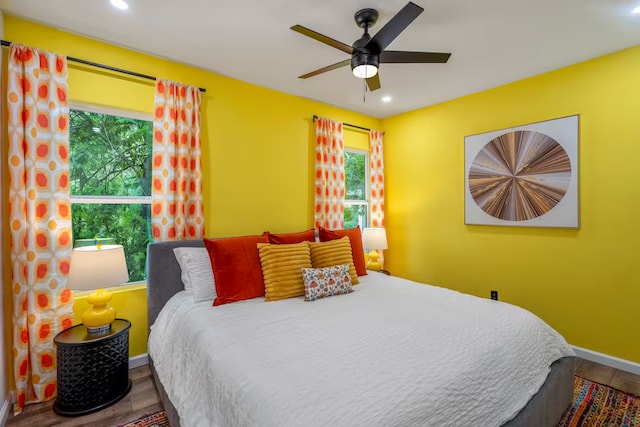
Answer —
(355, 176)
(110, 155)
(355, 215)
(126, 225)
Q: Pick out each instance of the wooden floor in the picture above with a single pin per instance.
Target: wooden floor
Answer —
(143, 399)
(613, 377)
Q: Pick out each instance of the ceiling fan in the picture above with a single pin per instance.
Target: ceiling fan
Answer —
(368, 53)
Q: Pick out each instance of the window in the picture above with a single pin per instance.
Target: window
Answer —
(110, 162)
(356, 203)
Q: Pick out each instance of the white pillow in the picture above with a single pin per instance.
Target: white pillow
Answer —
(197, 274)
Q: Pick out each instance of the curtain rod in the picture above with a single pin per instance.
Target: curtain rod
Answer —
(106, 67)
(345, 124)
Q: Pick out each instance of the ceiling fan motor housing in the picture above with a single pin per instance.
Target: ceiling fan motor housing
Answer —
(363, 58)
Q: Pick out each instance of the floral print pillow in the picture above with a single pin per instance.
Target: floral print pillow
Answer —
(326, 281)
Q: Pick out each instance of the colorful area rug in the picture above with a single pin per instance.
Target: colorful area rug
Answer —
(597, 405)
(157, 419)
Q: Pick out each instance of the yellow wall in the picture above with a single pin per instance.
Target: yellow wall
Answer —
(130, 303)
(258, 144)
(584, 282)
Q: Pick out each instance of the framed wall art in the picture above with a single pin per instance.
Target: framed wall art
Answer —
(525, 176)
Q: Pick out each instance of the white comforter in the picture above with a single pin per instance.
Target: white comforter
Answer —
(392, 353)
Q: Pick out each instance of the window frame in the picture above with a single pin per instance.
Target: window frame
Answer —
(367, 176)
(111, 200)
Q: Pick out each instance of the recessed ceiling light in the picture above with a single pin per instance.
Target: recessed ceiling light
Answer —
(120, 4)
(636, 10)
(386, 98)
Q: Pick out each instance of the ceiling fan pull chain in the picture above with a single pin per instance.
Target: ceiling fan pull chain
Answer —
(364, 83)
(364, 91)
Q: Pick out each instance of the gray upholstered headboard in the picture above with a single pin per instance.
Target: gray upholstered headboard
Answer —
(163, 274)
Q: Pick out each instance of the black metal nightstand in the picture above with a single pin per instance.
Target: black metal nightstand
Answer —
(93, 369)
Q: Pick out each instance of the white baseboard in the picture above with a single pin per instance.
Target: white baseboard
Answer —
(139, 360)
(4, 411)
(605, 359)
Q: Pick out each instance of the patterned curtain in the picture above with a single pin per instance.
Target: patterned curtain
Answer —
(176, 193)
(39, 216)
(377, 178)
(330, 186)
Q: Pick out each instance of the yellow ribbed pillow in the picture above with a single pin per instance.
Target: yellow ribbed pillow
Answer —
(333, 252)
(282, 269)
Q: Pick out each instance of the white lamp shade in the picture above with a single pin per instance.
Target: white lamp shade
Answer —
(374, 238)
(95, 267)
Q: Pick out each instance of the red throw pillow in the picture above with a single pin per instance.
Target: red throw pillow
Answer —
(288, 238)
(236, 267)
(355, 237)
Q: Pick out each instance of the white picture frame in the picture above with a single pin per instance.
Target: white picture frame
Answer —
(524, 176)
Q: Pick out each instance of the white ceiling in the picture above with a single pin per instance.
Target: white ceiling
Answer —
(492, 41)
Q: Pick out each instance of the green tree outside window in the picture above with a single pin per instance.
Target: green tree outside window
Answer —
(356, 208)
(110, 165)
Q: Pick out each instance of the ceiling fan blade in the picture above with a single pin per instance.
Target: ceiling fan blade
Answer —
(402, 57)
(323, 39)
(325, 69)
(374, 82)
(395, 26)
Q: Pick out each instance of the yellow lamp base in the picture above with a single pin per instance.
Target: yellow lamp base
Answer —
(100, 316)
(373, 262)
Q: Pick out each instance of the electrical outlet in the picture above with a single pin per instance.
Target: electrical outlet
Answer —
(494, 295)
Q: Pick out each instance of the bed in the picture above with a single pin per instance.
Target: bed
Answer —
(355, 359)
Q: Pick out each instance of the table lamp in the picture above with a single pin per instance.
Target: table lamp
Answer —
(374, 239)
(94, 268)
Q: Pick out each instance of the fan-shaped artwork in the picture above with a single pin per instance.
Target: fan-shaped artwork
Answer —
(520, 175)
(525, 176)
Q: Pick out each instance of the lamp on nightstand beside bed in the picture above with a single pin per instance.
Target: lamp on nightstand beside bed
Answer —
(95, 268)
(374, 239)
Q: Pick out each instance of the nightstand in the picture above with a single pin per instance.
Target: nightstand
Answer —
(93, 369)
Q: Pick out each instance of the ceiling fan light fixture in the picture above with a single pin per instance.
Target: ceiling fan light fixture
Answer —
(365, 71)
(364, 65)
